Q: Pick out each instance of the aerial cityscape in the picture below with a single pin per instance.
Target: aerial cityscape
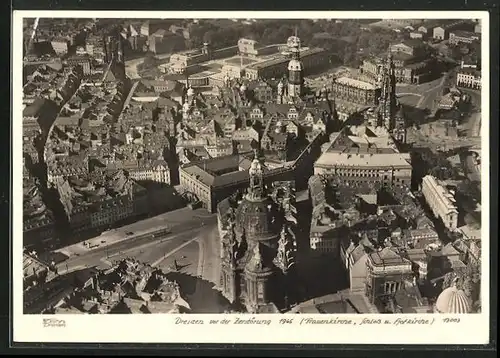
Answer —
(251, 166)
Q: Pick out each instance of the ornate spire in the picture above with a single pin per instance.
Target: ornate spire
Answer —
(285, 256)
(256, 262)
(256, 189)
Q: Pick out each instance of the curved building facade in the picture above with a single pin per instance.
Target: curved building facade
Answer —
(257, 252)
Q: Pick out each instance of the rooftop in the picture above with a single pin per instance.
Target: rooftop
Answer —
(378, 160)
(441, 190)
(32, 264)
(387, 257)
(467, 34)
(355, 83)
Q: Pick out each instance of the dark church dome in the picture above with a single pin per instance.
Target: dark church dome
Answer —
(257, 219)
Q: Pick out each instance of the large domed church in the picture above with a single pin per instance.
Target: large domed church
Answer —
(258, 248)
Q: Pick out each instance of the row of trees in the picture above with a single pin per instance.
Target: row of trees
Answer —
(436, 164)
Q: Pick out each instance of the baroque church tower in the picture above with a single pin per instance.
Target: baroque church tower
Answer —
(255, 258)
(295, 70)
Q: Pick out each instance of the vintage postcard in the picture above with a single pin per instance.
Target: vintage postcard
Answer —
(262, 177)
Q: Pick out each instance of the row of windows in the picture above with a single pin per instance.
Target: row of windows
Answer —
(193, 186)
(347, 172)
(476, 84)
(323, 245)
(341, 88)
(392, 287)
(161, 177)
(103, 215)
(110, 218)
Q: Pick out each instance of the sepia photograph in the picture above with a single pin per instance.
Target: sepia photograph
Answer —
(252, 166)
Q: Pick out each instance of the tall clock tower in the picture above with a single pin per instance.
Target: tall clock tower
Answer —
(295, 69)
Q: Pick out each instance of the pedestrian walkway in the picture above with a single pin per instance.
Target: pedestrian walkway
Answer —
(103, 240)
(168, 254)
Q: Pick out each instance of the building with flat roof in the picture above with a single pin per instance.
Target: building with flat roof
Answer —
(441, 201)
(213, 180)
(364, 156)
(388, 272)
(252, 48)
(277, 66)
(81, 60)
(189, 58)
(356, 91)
(467, 37)
(427, 27)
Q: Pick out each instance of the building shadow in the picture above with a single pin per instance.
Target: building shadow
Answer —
(202, 295)
(162, 197)
(417, 116)
(319, 276)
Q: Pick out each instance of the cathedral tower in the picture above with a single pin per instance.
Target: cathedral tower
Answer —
(391, 114)
(388, 99)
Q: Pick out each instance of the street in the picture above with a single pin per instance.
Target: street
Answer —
(208, 260)
(434, 143)
(195, 253)
(159, 252)
(423, 96)
(183, 224)
(473, 125)
(148, 247)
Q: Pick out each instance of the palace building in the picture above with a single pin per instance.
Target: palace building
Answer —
(356, 91)
(277, 66)
(441, 201)
(364, 154)
(412, 61)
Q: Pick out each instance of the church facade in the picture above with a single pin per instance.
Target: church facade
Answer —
(390, 112)
(258, 248)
